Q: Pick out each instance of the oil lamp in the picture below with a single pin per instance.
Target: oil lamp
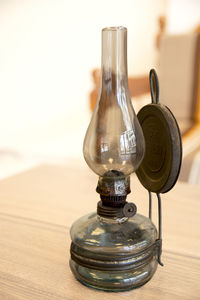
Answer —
(116, 248)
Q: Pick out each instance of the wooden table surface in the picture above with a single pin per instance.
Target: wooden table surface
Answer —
(37, 208)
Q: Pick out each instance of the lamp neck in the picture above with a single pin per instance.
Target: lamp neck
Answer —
(114, 59)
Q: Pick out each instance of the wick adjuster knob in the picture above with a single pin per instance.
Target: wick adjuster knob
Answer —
(129, 209)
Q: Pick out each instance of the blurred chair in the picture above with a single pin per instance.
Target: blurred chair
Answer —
(138, 86)
(179, 73)
(179, 76)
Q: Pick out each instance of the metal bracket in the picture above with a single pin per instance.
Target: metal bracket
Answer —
(154, 87)
(159, 240)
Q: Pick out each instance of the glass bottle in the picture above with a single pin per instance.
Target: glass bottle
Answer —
(114, 249)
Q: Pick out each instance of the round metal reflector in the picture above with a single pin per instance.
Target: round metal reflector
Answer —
(160, 167)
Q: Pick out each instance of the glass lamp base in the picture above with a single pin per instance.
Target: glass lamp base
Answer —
(113, 254)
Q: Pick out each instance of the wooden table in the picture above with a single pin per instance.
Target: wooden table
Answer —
(37, 209)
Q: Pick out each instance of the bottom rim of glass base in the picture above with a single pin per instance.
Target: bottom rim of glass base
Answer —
(110, 290)
(99, 285)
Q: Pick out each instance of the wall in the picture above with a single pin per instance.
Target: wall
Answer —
(48, 49)
(182, 15)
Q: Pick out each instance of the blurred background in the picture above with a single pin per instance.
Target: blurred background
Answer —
(50, 57)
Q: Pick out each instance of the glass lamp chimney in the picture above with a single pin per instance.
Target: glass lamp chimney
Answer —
(114, 140)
